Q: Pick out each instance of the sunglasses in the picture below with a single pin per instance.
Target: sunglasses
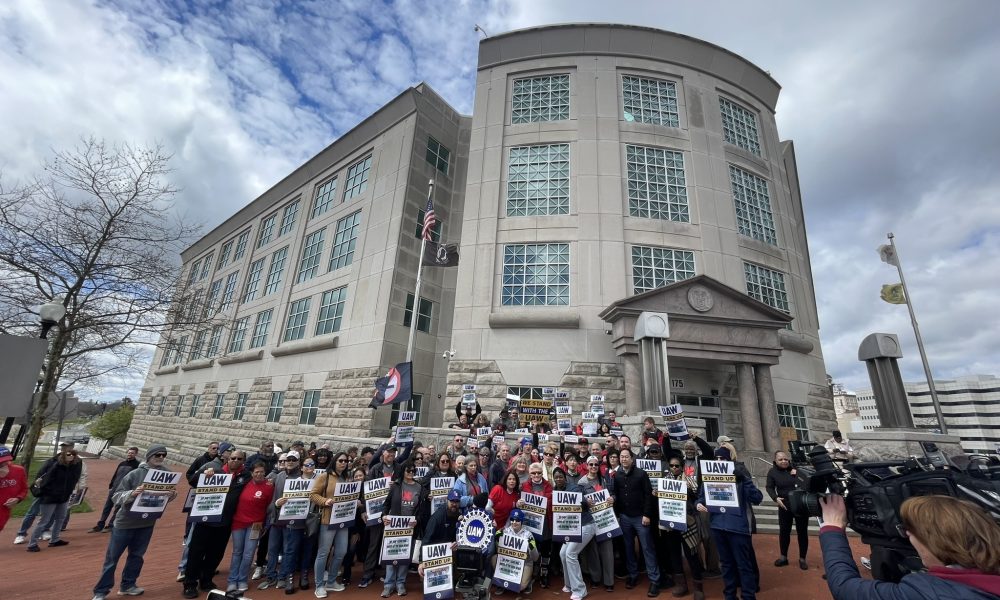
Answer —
(410, 470)
(445, 460)
(309, 464)
(549, 454)
(157, 455)
(591, 464)
(533, 473)
(236, 458)
(341, 460)
(674, 466)
(291, 460)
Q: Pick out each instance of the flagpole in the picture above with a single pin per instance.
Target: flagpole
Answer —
(920, 340)
(416, 292)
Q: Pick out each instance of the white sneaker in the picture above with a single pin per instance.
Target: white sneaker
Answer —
(20, 539)
(47, 536)
(100, 597)
(320, 592)
(257, 573)
(336, 586)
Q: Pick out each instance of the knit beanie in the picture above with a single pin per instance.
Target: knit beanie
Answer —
(154, 449)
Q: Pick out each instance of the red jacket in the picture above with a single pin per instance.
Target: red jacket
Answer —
(503, 503)
(546, 491)
(252, 505)
(14, 485)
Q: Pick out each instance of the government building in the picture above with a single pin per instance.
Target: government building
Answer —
(606, 171)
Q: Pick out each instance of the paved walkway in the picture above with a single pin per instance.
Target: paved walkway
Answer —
(70, 572)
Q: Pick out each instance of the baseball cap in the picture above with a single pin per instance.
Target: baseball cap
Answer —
(391, 448)
(592, 460)
(292, 454)
(724, 439)
(226, 447)
(5, 455)
(653, 448)
(454, 495)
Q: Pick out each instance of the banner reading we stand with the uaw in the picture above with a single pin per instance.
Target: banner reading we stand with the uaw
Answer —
(567, 512)
(210, 497)
(718, 479)
(672, 496)
(376, 491)
(512, 554)
(296, 507)
(157, 487)
(437, 572)
(397, 540)
(605, 522)
(345, 504)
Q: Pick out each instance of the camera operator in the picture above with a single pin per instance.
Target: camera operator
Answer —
(957, 542)
(839, 447)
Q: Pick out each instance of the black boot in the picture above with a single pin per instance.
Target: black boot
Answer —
(699, 590)
(654, 590)
(680, 586)
(190, 590)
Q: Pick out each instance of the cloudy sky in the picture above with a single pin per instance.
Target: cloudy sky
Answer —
(892, 107)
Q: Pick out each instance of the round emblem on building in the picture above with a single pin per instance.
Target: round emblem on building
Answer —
(700, 299)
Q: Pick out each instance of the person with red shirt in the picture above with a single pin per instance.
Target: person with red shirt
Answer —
(248, 524)
(538, 486)
(13, 484)
(504, 496)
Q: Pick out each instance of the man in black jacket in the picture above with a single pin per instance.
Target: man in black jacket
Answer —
(124, 467)
(192, 473)
(637, 512)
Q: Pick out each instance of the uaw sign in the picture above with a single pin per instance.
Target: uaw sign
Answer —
(475, 529)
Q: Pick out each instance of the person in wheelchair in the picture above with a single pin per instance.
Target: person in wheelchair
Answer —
(515, 526)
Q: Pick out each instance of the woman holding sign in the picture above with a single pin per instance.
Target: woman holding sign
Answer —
(537, 487)
(331, 534)
(685, 542)
(405, 498)
(248, 524)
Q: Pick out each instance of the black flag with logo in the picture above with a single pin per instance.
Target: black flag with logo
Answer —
(395, 387)
(441, 255)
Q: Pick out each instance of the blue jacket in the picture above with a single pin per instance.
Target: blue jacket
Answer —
(847, 584)
(727, 521)
(463, 487)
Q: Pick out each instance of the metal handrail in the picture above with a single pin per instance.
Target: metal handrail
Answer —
(754, 468)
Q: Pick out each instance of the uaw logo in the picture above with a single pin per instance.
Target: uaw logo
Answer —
(475, 530)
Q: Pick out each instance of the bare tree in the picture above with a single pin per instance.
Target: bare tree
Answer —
(98, 232)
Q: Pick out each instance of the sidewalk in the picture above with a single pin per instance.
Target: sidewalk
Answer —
(70, 572)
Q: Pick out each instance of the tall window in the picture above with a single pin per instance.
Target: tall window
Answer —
(288, 217)
(276, 270)
(229, 290)
(220, 403)
(149, 405)
(274, 410)
(298, 315)
(311, 251)
(253, 281)
(326, 192)
(180, 403)
(535, 275)
(163, 402)
(656, 267)
(239, 334)
(544, 98)
(739, 126)
(424, 314)
(357, 178)
(394, 413)
(241, 245)
(227, 249)
(260, 328)
(181, 349)
(435, 231)
(794, 416)
(241, 406)
(331, 310)
(649, 100)
(437, 155)
(195, 270)
(206, 265)
(195, 403)
(656, 184)
(344, 241)
(212, 302)
(753, 205)
(538, 180)
(766, 285)
(310, 408)
(266, 233)
(213, 342)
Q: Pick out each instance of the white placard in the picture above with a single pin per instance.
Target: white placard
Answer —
(605, 522)
(437, 561)
(210, 497)
(567, 512)
(534, 509)
(296, 507)
(376, 491)
(673, 417)
(397, 541)
(157, 487)
(512, 554)
(672, 497)
(719, 484)
(440, 486)
(345, 504)
(404, 427)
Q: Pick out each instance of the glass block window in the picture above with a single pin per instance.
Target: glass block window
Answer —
(325, 194)
(298, 315)
(435, 231)
(331, 309)
(229, 290)
(794, 416)
(274, 410)
(288, 216)
(538, 180)
(766, 285)
(224, 254)
(344, 241)
(276, 270)
(241, 245)
(357, 178)
(739, 126)
(437, 155)
(220, 403)
(656, 267)
(198, 348)
(239, 334)
(544, 98)
(178, 407)
(253, 281)
(649, 101)
(195, 271)
(656, 185)
(266, 233)
(206, 265)
(310, 408)
(212, 301)
(525, 392)
(311, 251)
(163, 402)
(181, 349)
(213, 342)
(424, 314)
(415, 402)
(753, 205)
(195, 403)
(535, 275)
(241, 406)
(261, 328)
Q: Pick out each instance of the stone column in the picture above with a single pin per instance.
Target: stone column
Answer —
(750, 412)
(770, 427)
(633, 383)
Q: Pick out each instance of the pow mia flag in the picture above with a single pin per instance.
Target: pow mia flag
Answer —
(441, 255)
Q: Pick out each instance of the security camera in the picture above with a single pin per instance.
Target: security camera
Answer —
(607, 332)
(448, 354)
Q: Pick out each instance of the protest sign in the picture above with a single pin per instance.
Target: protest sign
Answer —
(672, 497)
(653, 468)
(590, 422)
(188, 500)
(397, 540)
(571, 439)
(376, 491)
(535, 410)
(512, 554)
(483, 435)
(157, 487)
(404, 426)
(422, 472)
(673, 418)
(209, 497)
(534, 509)
(345, 504)
(439, 492)
(605, 522)
(564, 410)
(567, 511)
(437, 560)
(719, 483)
(564, 424)
(296, 507)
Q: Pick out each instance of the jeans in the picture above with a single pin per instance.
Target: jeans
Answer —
(55, 513)
(109, 505)
(337, 539)
(286, 542)
(395, 576)
(632, 527)
(135, 541)
(569, 554)
(187, 544)
(29, 517)
(244, 546)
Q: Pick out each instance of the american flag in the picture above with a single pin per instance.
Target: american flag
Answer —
(430, 220)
